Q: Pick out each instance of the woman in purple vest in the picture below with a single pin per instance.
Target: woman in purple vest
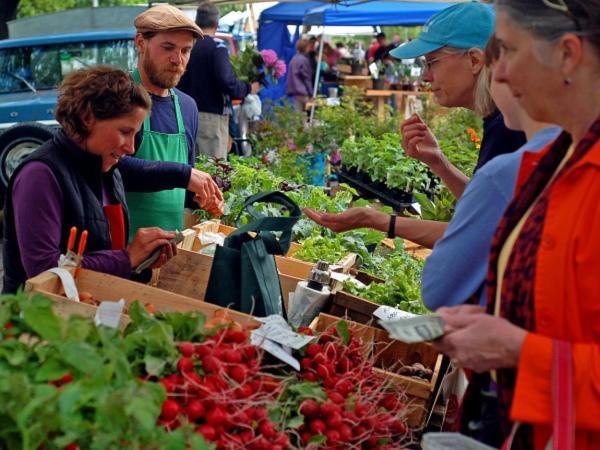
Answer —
(73, 180)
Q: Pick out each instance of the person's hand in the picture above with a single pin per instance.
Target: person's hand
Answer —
(479, 341)
(146, 240)
(348, 220)
(208, 196)
(254, 87)
(418, 142)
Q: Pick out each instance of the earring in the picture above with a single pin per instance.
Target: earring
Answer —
(568, 81)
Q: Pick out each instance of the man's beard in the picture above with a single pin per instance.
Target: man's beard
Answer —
(160, 77)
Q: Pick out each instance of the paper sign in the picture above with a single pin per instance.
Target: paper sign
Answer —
(390, 313)
(415, 329)
(276, 329)
(274, 349)
(109, 313)
(68, 283)
(415, 71)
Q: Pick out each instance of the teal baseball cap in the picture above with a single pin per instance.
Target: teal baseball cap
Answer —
(464, 25)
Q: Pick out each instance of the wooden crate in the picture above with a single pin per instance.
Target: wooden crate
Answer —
(354, 308)
(412, 248)
(188, 272)
(192, 242)
(107, 287)
(390, 356)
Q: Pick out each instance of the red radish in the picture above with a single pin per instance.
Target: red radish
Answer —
(195, 410)
(72, 446)
(333, 436)
(399, 426)
(185, 364)
(170, 410)
(336, 397)
(260, 413)
(249, 351)
(211, 364)
(305, 330)
(207, 431)
(186, 349)
(306, 436)
(233, 356)
(328, 408)
(238, 373)
(313, 349)
(168, 385)
(317, 426)
(266, 429)
(306, 363)
(216, 417)
(244, 391)
(236, 336)
(334, 420)
(204, 349)
(310, 408)
(345, 433)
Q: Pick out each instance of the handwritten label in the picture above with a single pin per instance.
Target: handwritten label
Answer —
(390, 313)
(276, 329)
(68, 283)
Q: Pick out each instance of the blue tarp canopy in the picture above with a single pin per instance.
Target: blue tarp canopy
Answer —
(373, 13)
(290, 13)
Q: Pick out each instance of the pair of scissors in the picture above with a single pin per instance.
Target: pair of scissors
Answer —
(80, 249)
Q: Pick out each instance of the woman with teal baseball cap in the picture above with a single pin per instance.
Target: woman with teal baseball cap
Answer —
(452, 42)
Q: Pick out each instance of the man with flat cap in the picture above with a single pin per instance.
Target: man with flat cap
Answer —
(165, 37)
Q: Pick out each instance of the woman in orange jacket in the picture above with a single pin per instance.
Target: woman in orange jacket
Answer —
(538, 346)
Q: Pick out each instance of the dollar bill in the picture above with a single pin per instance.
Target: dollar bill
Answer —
(414, 329)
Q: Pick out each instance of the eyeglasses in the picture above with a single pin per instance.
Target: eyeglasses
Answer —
(561, 5)
(429, 64)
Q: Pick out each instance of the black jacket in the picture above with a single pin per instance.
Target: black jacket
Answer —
(209, 78)
(80, 177)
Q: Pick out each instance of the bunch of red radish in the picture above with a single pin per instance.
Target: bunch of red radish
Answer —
(362, 410)
(218, 388)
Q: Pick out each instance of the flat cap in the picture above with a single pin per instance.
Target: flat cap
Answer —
(166, 18)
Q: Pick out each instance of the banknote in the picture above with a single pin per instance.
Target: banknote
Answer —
(414, 329)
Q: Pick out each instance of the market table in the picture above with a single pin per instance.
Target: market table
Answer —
(380, 96)
(361, 81)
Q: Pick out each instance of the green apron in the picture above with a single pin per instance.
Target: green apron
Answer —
(163, 209)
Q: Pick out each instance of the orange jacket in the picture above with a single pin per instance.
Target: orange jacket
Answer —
(567, 302)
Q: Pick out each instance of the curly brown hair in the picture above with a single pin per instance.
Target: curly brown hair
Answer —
(105, 92)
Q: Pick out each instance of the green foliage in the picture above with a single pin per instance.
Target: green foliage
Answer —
(456, 133)
(441, 208)
(36, 7)
(402, 279)
(105, 406)
(383, 160)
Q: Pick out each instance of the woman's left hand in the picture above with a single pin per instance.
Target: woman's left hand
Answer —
(479, 341)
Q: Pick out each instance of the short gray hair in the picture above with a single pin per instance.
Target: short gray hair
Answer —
(549, 23)
(207, 15)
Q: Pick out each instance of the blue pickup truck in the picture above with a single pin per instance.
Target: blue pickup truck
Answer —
(41, 51)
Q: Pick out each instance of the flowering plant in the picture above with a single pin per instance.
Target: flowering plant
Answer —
(253, 66)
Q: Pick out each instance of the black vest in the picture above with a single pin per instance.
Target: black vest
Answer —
(80, 177)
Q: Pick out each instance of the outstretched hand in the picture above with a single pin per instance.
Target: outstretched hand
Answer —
(348, 220)
(146, 240)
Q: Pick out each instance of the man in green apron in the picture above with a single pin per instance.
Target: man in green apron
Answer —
(164, 39)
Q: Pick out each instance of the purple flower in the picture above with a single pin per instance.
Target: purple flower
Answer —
(280, 69)
(269, 57)
(291, 144)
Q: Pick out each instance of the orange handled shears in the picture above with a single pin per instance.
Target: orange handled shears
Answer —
(80, 249)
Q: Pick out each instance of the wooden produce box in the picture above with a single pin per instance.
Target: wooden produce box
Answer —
(188, 273)
(412, 248)
(192, 241)
(390, 356)
(107, 287)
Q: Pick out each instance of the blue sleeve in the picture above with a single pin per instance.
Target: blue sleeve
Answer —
(226, 79)
(140, 175)
(457, 267)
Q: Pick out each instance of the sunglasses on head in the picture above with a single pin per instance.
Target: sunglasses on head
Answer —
(561, 5)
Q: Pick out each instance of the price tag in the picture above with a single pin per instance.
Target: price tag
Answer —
(390, 313)
(109, 313)
(415, 72)
(68, 283)
(274, 349)
(276, 329)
